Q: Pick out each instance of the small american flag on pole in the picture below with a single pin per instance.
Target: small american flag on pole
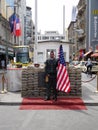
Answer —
(63, 83)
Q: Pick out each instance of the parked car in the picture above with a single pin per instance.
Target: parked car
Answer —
(82, 66)
(74, 63)
(94, 67)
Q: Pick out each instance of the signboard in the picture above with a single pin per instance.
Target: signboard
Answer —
(93, 23)
(22, 49)
(2, 49)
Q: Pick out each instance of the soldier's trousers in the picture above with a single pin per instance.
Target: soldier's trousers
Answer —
(51, 87)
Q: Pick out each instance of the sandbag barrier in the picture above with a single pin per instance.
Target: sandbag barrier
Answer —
(33, 84)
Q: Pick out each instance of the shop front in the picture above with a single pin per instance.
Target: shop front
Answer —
(3, 54)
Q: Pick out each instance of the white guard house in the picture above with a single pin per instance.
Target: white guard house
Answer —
(44, 48)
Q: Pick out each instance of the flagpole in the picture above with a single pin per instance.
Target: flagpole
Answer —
(6, 40)
(64, 20)
(36, 42)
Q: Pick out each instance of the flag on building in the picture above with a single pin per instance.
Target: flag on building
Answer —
(63, 83)
(15, 25)
(12, 21)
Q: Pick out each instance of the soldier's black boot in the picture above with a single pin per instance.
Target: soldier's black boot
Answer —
(54, 98)
(47, 98)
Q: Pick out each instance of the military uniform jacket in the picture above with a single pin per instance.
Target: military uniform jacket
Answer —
(51, 66)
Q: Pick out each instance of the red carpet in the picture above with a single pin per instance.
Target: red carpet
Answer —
(60, 104)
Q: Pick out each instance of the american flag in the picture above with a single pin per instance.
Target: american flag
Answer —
(12, 22)
(63, 83)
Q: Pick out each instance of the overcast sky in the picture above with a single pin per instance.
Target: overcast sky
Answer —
(50, 13)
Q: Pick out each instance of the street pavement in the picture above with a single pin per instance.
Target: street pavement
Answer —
(89, 89)
(12, 118)
(89, 94)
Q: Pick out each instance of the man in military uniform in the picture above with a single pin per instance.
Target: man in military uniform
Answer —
(51, 76)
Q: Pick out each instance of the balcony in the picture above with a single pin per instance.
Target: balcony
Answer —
(81, 9)
(81, 37)
(81, 46)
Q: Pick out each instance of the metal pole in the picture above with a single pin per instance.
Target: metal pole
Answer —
(63, 20)
(89, 23)
(6, 40)
(36, 43)
(97, 83)
(3, 83)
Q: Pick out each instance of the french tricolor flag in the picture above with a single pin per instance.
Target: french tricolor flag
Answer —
(17, 27)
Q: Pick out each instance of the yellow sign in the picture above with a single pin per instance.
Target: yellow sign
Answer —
(95, 12)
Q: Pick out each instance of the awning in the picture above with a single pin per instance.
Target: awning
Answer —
(87, 53)
(94, 55)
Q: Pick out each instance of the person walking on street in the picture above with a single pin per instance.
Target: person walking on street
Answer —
(51, 76)
(3, 64)
(89, 67)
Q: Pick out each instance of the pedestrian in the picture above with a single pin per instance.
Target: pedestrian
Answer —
(51, 76)
(89, 67)
(3, 64)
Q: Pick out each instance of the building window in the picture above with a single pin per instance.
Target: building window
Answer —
(48, 52)
(40, 57)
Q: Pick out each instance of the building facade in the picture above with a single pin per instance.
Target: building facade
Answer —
(81, 28)
(7, 39)
(92, 24)
(28, 32)
(50, 35)
(77, 31)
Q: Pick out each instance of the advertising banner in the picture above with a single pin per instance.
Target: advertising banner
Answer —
(93, 8)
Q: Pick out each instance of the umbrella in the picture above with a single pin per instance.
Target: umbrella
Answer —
(94, 55)
(88, 53)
